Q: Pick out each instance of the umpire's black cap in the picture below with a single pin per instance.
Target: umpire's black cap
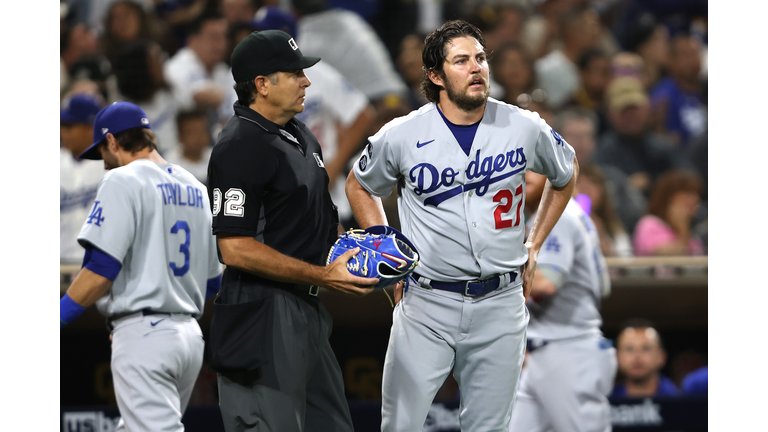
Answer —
(265, 52)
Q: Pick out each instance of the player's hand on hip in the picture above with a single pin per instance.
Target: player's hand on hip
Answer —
(338, 278)
(529, 270)
(398, 291)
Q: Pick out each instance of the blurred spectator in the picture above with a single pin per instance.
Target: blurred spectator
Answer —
(512, 69)
(627, 64)
(235, 11)
(614, 240)
(500, 24)
(340, 117)
(536, 102)
(629, 144)
(677, 101)
(338, 114)
(697, 382)
(274, 18)
(95, 69)
(235, 33)
(79, 179)
(542, 32)
(594, 75)
(140, 80)
(641, 356)
(76, 42)
(698, 154)
(578, 126)
(127, 22)
(364, 61)
(197, 74)
(666, 229)
(194, 148)
(557, 72)
(650, 40)
(409, 65)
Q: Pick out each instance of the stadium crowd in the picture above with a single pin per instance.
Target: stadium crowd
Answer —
(623, 81)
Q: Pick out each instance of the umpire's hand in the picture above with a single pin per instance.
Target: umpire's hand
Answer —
(337, 277)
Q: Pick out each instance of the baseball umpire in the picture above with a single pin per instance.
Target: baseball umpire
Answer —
(275, 222)
(459, 163)
(150, 260)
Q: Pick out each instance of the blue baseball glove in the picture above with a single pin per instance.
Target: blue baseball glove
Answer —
(385, 253)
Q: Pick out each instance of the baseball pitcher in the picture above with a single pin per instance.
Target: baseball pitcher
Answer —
(459, 164)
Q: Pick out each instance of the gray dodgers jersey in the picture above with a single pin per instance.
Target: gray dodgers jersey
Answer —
(573, 248)
(155, 219)
(464, 213)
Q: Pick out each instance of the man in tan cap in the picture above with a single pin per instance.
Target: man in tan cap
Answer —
(629, 144)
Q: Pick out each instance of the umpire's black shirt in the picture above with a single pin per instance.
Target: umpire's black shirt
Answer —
(270, 183)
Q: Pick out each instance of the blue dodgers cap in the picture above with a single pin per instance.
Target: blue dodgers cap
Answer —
(113, 119)
(80, 108)
(274, 18)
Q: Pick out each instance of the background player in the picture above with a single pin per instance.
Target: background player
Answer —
(570, 367)
(460, 163)
(79, 179)
(150, 257)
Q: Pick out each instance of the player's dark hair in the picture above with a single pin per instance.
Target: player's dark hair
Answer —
(588, 56)
(134, 79)
(666, 186)
(639, 323)
(308, 7)
(196, 25)
(435, 50)
(246, 90)
(136, 139)
(189, 115)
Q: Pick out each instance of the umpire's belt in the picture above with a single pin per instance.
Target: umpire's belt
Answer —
(472, 288)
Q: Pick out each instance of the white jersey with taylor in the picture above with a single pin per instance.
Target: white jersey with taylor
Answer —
(464, 213)
(155, 219)
(573, 250)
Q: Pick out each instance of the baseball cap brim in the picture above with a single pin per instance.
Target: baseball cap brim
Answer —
(631, 99)
(303, 63)
(92, 152)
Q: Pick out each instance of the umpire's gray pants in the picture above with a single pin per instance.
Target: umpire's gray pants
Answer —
(481, 338)
(301, 389)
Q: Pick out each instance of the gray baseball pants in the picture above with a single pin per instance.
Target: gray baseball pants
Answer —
(156, 360)
(564, 386)
(481, 338)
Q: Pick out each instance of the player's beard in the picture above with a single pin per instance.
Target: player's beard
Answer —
(464, 101)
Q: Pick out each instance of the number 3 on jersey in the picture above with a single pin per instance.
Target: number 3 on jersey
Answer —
(183, 248)
(506, 196)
